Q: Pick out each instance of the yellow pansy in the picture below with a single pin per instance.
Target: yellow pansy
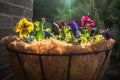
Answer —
(24, 27)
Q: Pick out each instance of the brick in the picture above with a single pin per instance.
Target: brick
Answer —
(28, 14)
(28, 3)
(2, 49)
(3, 59)
(10, 9)
(1, 45)
(15, 21)
(25, 3)
(5, 21)
(6, 0)
(6, 32)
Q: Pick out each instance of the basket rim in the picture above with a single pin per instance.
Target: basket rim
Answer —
(70, 54)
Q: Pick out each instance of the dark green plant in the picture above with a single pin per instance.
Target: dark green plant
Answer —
(109, 11)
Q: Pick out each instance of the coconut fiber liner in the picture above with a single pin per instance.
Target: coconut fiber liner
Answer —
(82, 67)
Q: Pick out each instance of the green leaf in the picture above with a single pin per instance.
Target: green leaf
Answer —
(37, 23)
(39, 35)
(28, 39)
(52, 36)
(43, 20)
(48, 29)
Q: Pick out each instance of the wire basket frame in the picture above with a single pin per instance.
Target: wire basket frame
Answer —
(70, 55)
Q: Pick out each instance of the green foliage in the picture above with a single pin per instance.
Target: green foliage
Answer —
(88, 36)
(85, 37)
(66, 34)
(109, 11)
(39, 29)
(45, 8)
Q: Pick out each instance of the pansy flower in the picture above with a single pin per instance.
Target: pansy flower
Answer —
(107, 34)
(24, 27)
(74, 26)
(61, 23)
(86, 22)
(47, 34)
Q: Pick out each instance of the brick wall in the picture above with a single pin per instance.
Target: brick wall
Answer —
(11, 11)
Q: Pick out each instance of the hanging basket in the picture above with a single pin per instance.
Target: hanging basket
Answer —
(58, 60)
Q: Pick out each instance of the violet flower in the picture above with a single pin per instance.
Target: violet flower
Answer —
(74, 26)
(107, 34)
(47, 34)
(87, 22)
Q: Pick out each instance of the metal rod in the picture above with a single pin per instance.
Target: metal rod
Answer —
(21, 65)
(69, 66)
(106, 56)
(72, 54)
(69, 55)
(41, 67)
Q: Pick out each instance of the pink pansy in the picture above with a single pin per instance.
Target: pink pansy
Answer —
(87, 22)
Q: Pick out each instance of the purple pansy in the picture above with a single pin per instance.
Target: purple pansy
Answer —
(47, 34)
(74, 26)
(107, 34)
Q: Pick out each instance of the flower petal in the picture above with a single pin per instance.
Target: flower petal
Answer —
(61, 23)
(74, 26)
(107, 34)
(87, 22)
(24, 27)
